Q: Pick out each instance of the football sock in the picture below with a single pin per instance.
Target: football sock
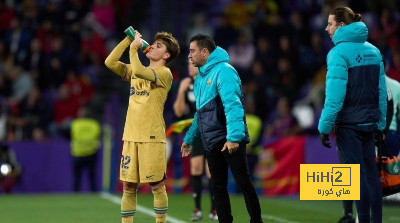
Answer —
(197, 188)
(160, 204)
(211, 195)
(128, 206)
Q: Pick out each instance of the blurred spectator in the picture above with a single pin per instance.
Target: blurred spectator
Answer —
(46, 34)
(199, 25)
(58, 61)
(5, 84)
(6, 17)
(3, 122)
(51, 10)
(297, 29)
(104, 14)
(121, 12)
(287, 50)
(312, 57)
(393, 70)
(224, 33)
(281, 122)
(6, 58)
(85, 142)
(259, 89)
(287, 79)
(93, 46)
(242, 53)
(10, 169)
(35, 62)
(65, 109)
(18, 39)
(35, 115)
(266, 54)
(237, 13)
(79, 87)
(21, 84)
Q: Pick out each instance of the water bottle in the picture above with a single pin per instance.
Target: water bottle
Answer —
(130, 32)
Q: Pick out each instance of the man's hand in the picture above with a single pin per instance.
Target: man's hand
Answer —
(231, 146)
(186, 149)
(325, 140)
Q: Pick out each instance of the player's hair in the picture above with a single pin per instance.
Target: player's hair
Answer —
(204, 41)
(345, 15)
(170, 42)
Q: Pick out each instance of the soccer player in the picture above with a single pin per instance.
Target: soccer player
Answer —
(144, 150)
(184, 108)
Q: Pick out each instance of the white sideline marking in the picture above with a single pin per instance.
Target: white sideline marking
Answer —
(139, 208)
(277, 219)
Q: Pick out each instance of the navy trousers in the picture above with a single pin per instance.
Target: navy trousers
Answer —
(358, 147)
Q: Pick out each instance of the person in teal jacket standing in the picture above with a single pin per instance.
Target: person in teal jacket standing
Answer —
(355, 104)
(220, 124)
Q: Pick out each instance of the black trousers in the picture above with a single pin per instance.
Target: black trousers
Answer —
(357, 147)
(81, 163)
(219, 162)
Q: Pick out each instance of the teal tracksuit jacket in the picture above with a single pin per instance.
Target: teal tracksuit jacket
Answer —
(355, 83)
(219, 103)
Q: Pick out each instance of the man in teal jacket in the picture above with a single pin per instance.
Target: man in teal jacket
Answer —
(220, 124)
(355, 104)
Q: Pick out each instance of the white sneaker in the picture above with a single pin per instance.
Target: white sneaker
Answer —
(213, 216)
(197, 215)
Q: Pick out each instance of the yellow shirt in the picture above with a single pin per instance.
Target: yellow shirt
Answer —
(148, 93)
(85, 137)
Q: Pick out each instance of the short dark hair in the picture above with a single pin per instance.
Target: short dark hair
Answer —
(204, 41)
(345, 14)
(170, 42)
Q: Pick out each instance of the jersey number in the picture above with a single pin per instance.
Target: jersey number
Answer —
(125, 160)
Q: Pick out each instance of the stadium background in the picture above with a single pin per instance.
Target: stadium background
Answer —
(278, 47)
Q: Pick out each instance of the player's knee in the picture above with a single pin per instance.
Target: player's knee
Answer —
(130, 186)
(157, 185)
(196, 170)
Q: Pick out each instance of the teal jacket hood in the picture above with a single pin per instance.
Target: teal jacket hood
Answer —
(217, 56)
(356, 32)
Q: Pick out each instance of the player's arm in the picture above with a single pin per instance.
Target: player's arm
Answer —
(138, 70)
(113, 63)
(180, 105)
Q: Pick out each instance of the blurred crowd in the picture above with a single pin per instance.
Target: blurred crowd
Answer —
(52, 54)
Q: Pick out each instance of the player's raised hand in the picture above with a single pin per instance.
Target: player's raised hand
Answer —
(186, 149)
(137, 42)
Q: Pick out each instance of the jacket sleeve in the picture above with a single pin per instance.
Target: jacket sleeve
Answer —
(193, 134)
(382, 99)
(229, 89)
(335, 91)
(112, 61)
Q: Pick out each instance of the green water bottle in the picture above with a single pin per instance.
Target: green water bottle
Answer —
(130, 32)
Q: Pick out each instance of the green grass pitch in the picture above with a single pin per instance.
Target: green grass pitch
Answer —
(104, 208)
